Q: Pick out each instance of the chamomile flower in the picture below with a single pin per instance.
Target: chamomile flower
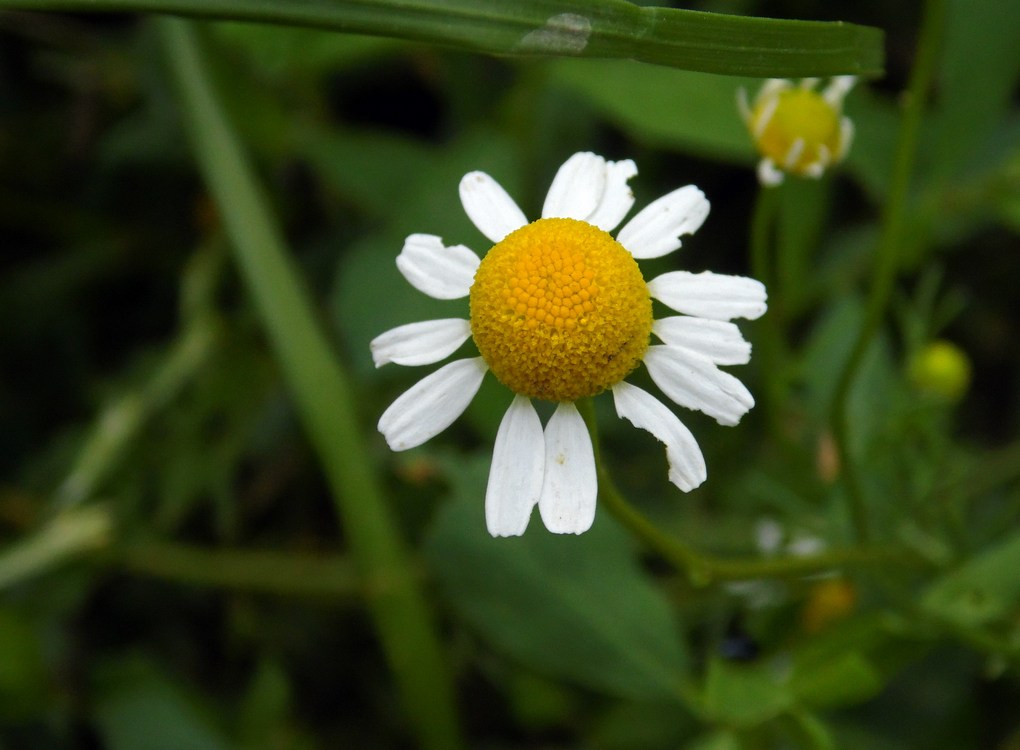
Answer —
(560, 312)
(797, 129)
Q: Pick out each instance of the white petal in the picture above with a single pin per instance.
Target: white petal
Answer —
(846, 137)
(837, 90)
(718, 340)
(591, 189)
(439, 271)
(577, 187)
(710, 295)
(768, 174)
(618, 198)
(420, 343)
(657, 228)
(489, 206)
(693, 381)
(518, 468)
(771, 87)
(570, 485)
(743, 107)
(686, 463)
(432, 404)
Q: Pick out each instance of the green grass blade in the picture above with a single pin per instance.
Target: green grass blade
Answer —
(322, 394)
(693, 40)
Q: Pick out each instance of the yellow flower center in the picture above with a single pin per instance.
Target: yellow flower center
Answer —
(560, 311)
(799, 114)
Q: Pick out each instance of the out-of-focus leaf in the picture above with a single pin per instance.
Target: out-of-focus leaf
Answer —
(745, 695)
(845, 679)
(803, 211)
(981, 64)
(695, 112)
(573, 607)
(711, 42)
(418, 194)
(141, 710)
(23, 676)
(642, 726)
(876, 123)
(284, 51)
(722, 740)
(374, 170)
(983, 590)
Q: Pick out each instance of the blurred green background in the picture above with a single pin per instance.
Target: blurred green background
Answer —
(173, 573)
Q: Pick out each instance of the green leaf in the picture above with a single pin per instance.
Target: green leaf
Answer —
(573, 607)
(23, 674)
(981, 63)
(665, 108)
(983, 590)
(709, 42)
(845, 679)
(745, 695)
(140, 710)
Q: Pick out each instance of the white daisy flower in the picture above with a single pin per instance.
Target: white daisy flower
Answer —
(560, 312)
(797, 129)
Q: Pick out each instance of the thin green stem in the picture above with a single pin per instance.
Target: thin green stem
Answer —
(770, 350)
(703, 570)
(887, 253)
(119, 423)
(69, 534)
(261, 571)
(323, 396)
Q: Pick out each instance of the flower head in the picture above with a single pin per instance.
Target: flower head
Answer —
(559, 312)
(797, 129)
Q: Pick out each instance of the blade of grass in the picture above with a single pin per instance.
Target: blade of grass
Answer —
(693, 40)
(322, 394)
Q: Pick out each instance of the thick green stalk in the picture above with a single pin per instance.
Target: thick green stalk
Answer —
(322, 394)
(887, 253)
(708, 42)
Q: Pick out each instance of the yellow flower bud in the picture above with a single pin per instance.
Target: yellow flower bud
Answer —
(942, 369)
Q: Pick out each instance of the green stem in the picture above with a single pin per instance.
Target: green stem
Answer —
(324, 397)
(887, 253)
(703, 570)
(770, 350)
(118, 425)
(70, 533)
(262, 571)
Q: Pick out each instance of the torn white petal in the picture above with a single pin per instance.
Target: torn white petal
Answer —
(692, 380)
(432, 404)
(617, 198)
(489, 206)
(570, 486)
(440, 271)
(710, 295)
(657, 228)
(718, 340)
(686, 463)
(420, 343)
(517, 471)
